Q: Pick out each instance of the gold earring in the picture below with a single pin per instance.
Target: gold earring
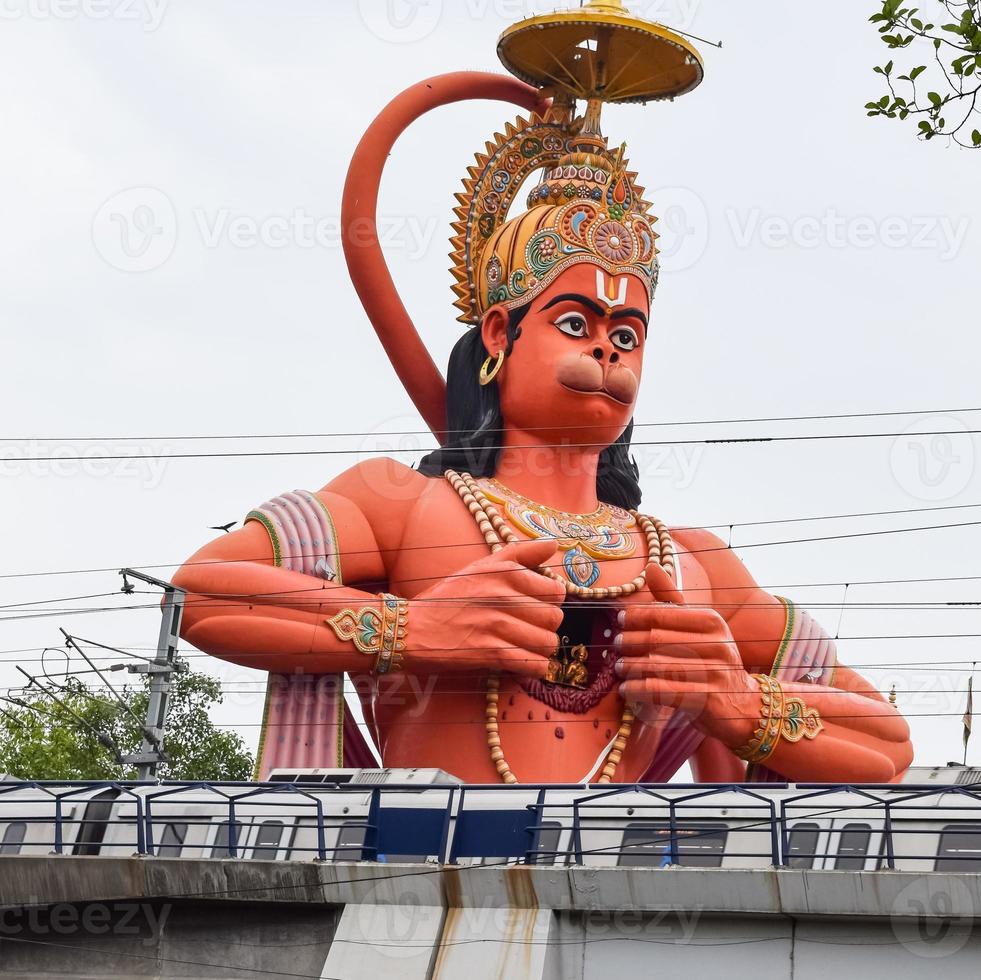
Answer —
(487, 373)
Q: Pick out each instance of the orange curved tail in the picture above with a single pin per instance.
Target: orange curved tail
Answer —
(365, 260)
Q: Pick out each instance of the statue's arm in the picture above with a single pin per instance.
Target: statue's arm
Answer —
(701, 655)
(304, 587)
(259, 599)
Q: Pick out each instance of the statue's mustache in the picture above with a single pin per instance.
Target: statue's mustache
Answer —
(586, 374)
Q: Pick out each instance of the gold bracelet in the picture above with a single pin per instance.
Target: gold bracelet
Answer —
(395, 613)
(780, 717)
(378, 632)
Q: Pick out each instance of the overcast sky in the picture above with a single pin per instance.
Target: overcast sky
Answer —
(171, 178)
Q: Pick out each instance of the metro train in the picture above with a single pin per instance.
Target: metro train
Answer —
(930, 822)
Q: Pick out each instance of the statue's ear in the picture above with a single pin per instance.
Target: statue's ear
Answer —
(494, 329)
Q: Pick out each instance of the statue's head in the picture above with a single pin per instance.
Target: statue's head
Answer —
(573, 366)
(564, 290)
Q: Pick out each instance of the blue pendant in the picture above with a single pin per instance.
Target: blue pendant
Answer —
(580, 569)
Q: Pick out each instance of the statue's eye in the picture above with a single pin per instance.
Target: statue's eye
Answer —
(624, 338)
(573, 324)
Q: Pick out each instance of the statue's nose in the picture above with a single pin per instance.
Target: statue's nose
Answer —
(599, 354)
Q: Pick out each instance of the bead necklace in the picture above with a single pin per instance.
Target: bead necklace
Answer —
(496, 532)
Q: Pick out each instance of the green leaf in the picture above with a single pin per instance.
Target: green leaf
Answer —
(924, 126)
(935, 99)
(976, 137)
(888, 69)
(918, 24)
(916, 72)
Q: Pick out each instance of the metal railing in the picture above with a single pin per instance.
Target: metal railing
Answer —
(803, 826)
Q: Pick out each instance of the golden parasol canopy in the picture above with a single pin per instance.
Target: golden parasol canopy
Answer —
(600, 52)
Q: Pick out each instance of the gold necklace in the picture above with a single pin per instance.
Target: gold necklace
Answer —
(585, 540)
(660, 551)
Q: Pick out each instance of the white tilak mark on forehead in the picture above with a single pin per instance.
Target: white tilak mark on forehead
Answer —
(606, 293)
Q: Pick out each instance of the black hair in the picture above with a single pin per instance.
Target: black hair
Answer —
(474, 421)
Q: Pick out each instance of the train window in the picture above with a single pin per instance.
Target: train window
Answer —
(350, 842)
(220, 847)
(92, 829)
(802, 842)
(267, 840)
(172, 840)
(696, 845)
(960, 848)
(548, 843)
(13, 838)
(853, 847)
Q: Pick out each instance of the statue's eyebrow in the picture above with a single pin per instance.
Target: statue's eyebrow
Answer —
(632, 313)
(590, 304)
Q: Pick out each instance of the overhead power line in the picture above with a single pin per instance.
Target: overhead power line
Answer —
(635, 444)
(426, 432)
(457, 544)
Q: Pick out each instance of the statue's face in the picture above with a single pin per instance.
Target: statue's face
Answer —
(574, 373)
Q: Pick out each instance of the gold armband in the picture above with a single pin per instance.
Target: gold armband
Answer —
(780, 718)
(378, 632)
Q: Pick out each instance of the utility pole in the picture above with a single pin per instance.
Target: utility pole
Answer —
(161, 670)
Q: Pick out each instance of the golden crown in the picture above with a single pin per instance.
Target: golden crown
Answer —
(586, 207)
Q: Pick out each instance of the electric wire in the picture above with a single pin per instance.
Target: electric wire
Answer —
(427, 432)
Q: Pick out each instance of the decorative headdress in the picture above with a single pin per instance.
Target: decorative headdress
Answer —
(587, 206)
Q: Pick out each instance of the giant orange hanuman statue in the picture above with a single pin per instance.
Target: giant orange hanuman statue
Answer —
(506, 611)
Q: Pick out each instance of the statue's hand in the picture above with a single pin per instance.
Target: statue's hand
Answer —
(675, 656)
(496, 613)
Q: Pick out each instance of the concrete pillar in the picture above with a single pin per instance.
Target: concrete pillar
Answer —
(396, 942)
(489, 943)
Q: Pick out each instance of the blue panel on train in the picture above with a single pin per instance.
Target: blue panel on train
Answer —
(493, 834)
(414, 831)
